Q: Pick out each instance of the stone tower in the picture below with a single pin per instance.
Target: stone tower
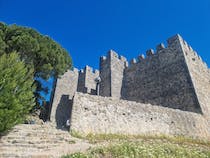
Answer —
(173, 77)
(64, 91)
(86, 81)
(111, 73)
(65, 88)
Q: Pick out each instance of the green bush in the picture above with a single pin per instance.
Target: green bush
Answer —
(48, 58)
(16, 91)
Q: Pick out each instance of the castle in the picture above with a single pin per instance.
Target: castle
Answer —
(166, 92)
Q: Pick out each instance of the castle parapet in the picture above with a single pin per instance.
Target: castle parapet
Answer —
(133, 61)
(102, 58)
(160, 47)
(86, 81)
(81, 71)
(150, 52)
(122, 58)
(174, 40)
(141, 57)
(111, 74)
(88, 68)
(112, 53)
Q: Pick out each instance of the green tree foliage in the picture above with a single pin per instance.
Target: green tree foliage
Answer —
(16, 91)
(40, 52)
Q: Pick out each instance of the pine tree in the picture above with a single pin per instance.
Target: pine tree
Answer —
(16, 90)
(40, 52)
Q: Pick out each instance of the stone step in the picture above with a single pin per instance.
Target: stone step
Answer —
(35, 141)
(37, 136)
(26, 155)
(52, 143)
(28, 134)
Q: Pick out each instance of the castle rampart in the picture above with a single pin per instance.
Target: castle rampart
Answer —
(170, 87)
(96, 114)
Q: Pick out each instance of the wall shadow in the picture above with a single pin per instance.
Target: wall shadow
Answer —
(63, 112)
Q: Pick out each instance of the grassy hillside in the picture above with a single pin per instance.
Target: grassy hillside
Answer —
(122, 146)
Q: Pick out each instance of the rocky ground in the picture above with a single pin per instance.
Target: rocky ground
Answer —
(39, 141)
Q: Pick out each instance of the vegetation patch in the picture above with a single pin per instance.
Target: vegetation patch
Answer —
(144, 146)
(16, 91)
(97, 138)
(143, 150)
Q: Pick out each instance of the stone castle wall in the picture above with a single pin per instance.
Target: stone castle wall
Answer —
(200, 75)
(173, 78)
(162, 78)
(96, 114)
(86, 81)
(118, 64)
(66, 87)
(105, 75)
(111, 73)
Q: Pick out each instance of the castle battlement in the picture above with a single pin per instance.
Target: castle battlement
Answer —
(90, 70)
(113, 54)
(172, 76)
(160, 47)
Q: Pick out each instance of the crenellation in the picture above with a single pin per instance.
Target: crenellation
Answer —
(122, 58)
(175, 42)
(187, 46)
(141, 57)
(103, 58)
(195, 53)
(88, 68)
(185, 43)
(81, 71)
(150, 52)
(126, 64)
(190, 48)
(160, 47)
(133, 61)
(172, 40)
(174, 77)
(112, 53)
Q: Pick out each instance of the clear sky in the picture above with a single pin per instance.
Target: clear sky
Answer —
(87, 29)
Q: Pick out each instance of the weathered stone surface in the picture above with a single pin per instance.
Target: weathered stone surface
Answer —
(86, 81)
(162, 79)
(200, 76)
(66, 86)
(174, 76)
(39, 141)
(111, 73)
(95, 114)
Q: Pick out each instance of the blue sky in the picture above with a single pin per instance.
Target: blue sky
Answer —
(88, 29)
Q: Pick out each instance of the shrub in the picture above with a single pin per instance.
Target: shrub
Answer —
(16, 91)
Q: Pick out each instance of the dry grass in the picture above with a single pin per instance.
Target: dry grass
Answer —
(144, 146)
